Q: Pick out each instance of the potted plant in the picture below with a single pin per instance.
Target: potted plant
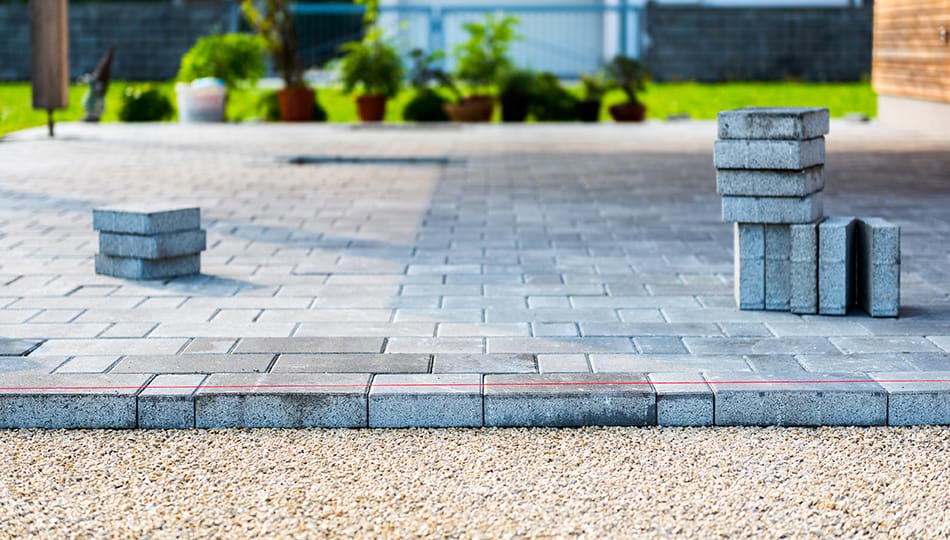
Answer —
(211, 68)
(552, 103)
(516, 91)
(630, 76)
(427, 104)
(275, 24)
(373, 67)
(480, 60)
(594, 86)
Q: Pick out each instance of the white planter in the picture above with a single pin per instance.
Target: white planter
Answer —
(201, 102)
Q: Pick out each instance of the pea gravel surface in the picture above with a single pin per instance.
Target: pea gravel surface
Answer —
(477, 483)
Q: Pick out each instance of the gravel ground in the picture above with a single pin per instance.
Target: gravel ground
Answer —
(592, 482)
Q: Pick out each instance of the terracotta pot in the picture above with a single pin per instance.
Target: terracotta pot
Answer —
(371, 108)
(295, 103)
(471, 109)
(588, 110)
(628, 112)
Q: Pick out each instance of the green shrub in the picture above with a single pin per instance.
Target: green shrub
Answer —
(629, 75)
(425, 106)
(518, 82)
(233, 58)
(552, 103)
(372, 65)
(145, 103)
(269, 108)
(481, 60)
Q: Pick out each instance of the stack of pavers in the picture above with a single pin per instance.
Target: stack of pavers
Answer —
(148, 242)
(769, 171)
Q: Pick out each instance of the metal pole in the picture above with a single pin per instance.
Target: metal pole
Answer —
(624, 46)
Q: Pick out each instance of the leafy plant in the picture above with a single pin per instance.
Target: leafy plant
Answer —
(518, 82)
(372, 64)
(233, 58)
(145, 103)
(275, 25)
(484, 56)
(595, 86)
(552, 103)
(628, 75)
(425, 106)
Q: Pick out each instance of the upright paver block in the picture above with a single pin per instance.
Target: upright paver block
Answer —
(168, 402)
(803, 268)
(682, 399)
(791, 123)
(777, 271)
(916, 398)
(562, 399)
(426, 400)
(749, 246)
(145, 219)
(878, 259)
(835, 265)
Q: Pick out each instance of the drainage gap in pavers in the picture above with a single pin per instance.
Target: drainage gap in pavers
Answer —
(441, 161)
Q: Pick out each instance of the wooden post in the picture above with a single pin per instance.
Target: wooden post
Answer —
(49, 55)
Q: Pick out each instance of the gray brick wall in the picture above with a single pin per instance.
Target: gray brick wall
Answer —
(149, 37)
(722, 44)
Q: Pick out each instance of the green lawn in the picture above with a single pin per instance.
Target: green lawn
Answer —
(700, 101)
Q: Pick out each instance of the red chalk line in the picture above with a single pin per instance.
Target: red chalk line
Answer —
(467, 385)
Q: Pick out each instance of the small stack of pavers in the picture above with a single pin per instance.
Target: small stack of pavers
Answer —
(148, 242)
(769, 171)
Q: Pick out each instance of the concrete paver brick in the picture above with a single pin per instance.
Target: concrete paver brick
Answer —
(777, 267)
(309, 345)
(194, 363)
(168, 402)
(558, 399)
(484, 363)
(769, 154)
(835, 265)
(130, 268)
(749, 267)
(915, 398)
(351, 363)
(426, 400)
(877, 254)
(31, 400)
(682, 399)
(803, 269)
(145, 218)
(158, 246)
(795, 123)
(765, 183)
(562, 363)
(773, 209)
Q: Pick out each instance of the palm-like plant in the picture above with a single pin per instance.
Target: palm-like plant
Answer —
(274, 22)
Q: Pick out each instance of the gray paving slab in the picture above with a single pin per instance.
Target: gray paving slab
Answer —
(797, 399)
(682, 399)
(643, 363)
(194, 363)
(835, 265)
(31, 400)
(773, 209)
(37, 364)
(749, 265)
(778, 247)
(803, 268)
(426, 400)
(563, 363)
(282, 400)
(766, 183)
(352, 363)
(569, 399)
(168, 402)
(157, 246)
(916, 398)
(131, 268)
(309, 345)
(18, 347)
(484, 363)
(878, 263)
(793, 123)
(145, 218)
(769, 154)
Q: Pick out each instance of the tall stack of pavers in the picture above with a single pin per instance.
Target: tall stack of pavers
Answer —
(148, 242)
(788, 256)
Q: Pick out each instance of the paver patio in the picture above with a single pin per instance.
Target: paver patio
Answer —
(516, 274)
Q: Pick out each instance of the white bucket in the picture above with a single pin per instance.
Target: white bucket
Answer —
(201, 101)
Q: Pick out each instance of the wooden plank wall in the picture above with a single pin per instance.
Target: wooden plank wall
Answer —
(911, 55)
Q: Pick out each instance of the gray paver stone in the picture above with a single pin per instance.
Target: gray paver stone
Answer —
(835, 265)
(765, 183)
(569, 399)
(17, 347)
(32, 400)
(131, 268)
(916, 398)
(777, 267)
(769, 154)
(145, 219)
(794, 123)
(484, 363)
(773, 209)
(193, 363)
(803, 270)
(797, 399)
(749, 267)
(877, 254)
(682, 399)
(279, 400)
(426, 400)
(352, 363)
(158, 246)
(168, 402)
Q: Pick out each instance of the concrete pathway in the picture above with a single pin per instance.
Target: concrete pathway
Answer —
(504, 275)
